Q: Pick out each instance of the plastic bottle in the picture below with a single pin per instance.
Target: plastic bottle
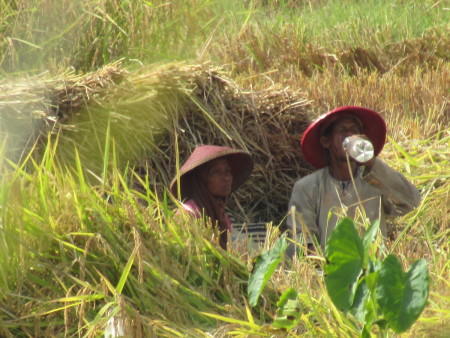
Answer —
(114, 328)
(358, 148)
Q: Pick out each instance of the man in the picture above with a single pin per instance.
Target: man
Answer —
(341, 186)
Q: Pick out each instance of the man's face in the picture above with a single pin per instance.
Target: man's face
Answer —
(219, 178)
(342, 128)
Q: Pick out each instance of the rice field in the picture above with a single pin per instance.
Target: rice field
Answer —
(100, 101)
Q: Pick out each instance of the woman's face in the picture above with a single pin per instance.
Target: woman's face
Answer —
(219, 178)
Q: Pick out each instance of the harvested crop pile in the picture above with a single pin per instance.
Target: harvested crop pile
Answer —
(157, 114)
(31, 108)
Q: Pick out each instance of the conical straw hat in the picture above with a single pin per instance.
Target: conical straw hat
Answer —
(240, 161)
(373, 125)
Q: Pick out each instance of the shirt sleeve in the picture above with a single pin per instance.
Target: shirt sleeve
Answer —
(399, 195)
(303, 210)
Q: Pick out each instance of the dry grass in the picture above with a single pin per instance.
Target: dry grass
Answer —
(33, 107)
(415, 105)
(156, 113)
(66, 237)
(257, 50)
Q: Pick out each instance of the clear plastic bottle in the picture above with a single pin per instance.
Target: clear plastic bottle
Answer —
(358, 148)
(114, 327)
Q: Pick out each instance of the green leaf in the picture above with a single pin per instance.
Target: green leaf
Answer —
(368, 238)
(381, 323)
(265, 265)
(288, 314)
(288, 294)
(345, 255)
(125, 272)
(402, 297)
(358, 308)
(232, 320)
(366, 332)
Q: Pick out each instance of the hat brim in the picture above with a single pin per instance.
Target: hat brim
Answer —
(374, 128)
(241, 164)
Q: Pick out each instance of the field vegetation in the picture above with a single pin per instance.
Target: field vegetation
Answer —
(100, 101)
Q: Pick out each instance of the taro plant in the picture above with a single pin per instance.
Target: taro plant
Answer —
(289, 306)
(374, 291)
(263, 268)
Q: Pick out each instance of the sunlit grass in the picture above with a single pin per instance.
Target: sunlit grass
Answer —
(71, 253)
(53, 35)
(83, 237)
(71, 248)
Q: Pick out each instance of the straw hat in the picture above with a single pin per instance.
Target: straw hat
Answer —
(373, 124)
(240, 161)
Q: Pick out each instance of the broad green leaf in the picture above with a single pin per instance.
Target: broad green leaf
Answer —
(345, 255)
(288, 314)
(368, 239)
(265, 265)
(358, 308)
(402, 296)
(373, 265)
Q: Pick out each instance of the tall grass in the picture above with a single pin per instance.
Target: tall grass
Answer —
(71, 253)
(41, 35)
(74, 254)
(52, 35)
(78, 247)
(365, 22)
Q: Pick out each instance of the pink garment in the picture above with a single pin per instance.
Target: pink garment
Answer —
(193, 208)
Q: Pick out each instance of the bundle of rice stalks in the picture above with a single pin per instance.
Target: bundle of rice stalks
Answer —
(30, 108)
(156, 116)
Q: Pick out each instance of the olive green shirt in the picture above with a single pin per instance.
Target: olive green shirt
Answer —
(319, 200)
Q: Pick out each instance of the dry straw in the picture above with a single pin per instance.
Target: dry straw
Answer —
(149, 113)
(32, 107)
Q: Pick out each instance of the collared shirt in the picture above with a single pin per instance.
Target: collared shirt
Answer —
(319, 200)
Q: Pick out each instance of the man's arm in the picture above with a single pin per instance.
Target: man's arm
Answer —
(401, 194)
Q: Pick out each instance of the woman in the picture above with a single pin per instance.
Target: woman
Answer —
(206, 180)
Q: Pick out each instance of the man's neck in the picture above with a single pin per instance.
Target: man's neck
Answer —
(340, 170)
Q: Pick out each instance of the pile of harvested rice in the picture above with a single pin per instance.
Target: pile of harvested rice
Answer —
(154, 114)
(30, 108)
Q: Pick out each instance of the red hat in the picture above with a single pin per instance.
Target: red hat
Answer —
(372, 122)
(241, 163)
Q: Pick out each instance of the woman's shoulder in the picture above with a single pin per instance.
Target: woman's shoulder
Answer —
(192, 207)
